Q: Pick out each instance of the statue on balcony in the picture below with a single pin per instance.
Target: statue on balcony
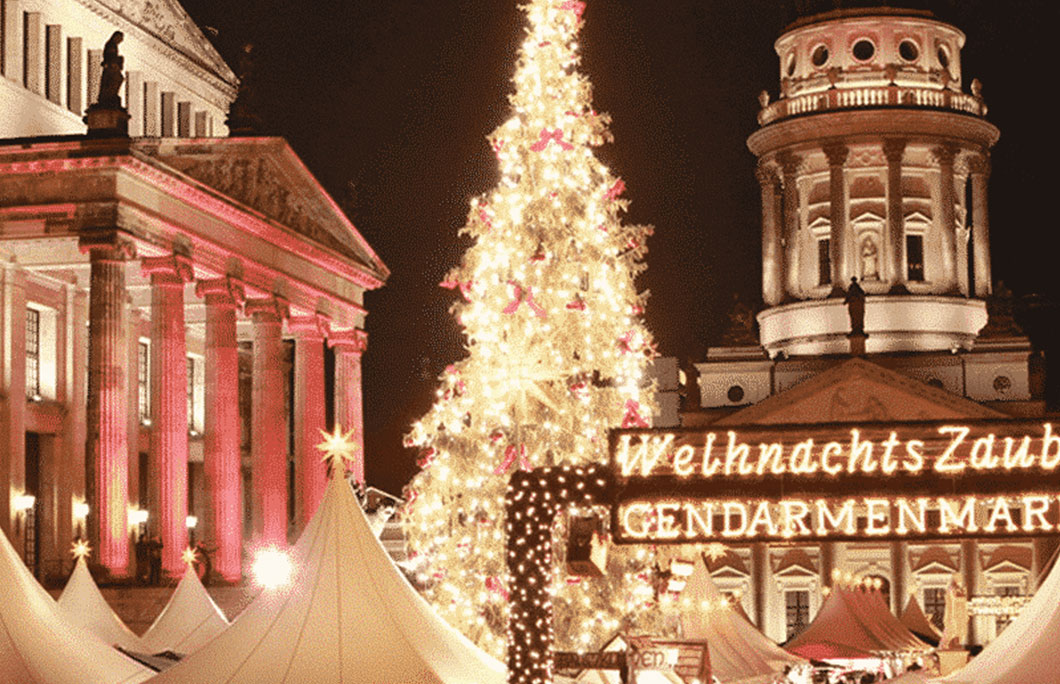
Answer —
(111, 79)
(855, 301)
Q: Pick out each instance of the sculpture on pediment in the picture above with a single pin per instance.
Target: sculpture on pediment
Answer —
(112, 77)
(740, 328)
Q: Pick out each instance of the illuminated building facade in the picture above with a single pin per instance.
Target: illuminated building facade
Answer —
(182, 312)
(874, 164)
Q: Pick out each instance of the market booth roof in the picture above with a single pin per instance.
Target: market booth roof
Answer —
(82, 604)
(348, 615)
(1029, 648)
(918, 623)
(854, 623)
(189, 620)
(738, 651)
(38, 646)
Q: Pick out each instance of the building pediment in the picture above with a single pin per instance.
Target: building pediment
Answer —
(859, 391)
(266, 176)
(167, 21)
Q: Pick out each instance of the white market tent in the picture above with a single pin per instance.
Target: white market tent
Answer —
(82, 604)
(1029, 648)
(738, 651)
(189, 620)
(348, 616)
(37, 646)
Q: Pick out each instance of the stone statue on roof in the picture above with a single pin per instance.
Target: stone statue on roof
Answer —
(112, 77)
(855, 301)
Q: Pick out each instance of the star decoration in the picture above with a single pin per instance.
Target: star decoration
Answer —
(189, 556)
(337, 447)
(716, 550)
(80, 549)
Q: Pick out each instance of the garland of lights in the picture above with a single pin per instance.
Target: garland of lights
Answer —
(533, 501)
(1000, 606)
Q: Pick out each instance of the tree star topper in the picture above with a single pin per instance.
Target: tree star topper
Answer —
(189, 556)
(80, 549)
(337, 447)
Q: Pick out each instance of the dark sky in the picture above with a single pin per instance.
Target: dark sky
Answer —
(389, 102)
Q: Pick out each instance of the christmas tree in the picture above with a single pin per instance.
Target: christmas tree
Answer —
(556, 350)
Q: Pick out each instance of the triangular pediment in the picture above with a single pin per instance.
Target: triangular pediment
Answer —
(917, 217)
(859, 391)
(167, 21)
(268, 178)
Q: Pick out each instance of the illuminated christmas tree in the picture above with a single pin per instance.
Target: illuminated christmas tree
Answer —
(556, 350)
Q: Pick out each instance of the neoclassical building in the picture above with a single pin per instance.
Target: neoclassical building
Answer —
(182, 312)
(874, 163)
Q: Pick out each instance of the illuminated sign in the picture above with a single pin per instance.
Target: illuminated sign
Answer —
(912, 480)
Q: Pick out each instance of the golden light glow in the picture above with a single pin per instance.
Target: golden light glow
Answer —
(80, 549)
(556, 352)
(189, 556)
(272, 568)
(338, 448)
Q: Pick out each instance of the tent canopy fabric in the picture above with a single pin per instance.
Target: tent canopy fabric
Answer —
(83, 604)
(738, 651)
(1029, 648)
(856, 621)
(347, 616)
(918, 623)
(189, 620)
(38, 646)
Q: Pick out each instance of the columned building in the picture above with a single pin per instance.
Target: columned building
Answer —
(874, 164)
(182, 312)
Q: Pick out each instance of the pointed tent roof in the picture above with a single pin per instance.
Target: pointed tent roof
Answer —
(1029, 648)
(37, 646)
(189, 620)
(348, 616)
(851, 624)
(83, 604)
(855, 391)
(917, 622)
(738, 651)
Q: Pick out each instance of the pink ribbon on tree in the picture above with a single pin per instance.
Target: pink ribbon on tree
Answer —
(494, 584)
(523, 295)
(511, 453)
(615, 190)
(576, 6)
(463, 286)
(428, 458)
(633, 418)
(547, 137)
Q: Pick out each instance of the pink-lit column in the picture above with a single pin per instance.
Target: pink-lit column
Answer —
(221, 460)
(268, 432)
(310, 415)
(167, 480)
(349, 345)
(106, 443)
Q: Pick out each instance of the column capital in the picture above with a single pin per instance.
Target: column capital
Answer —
(172, 269)
(944, 155)
(226, 290)
(979, 164)
(766, 173)
(351, 340)
(790, 164)
(107, 244)
(313, 327)
(836, 153)
(267, 309)
(894, 149)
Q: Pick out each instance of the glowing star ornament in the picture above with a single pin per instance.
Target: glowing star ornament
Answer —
(715, 550)
(80, 549)
(338, 448)
(189, 556)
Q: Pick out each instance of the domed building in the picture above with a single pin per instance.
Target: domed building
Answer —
(880, 308)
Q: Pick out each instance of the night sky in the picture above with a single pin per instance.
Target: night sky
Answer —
(389, 103)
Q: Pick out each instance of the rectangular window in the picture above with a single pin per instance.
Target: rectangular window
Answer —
(798, 611)
(191, 393)
(33, 353)
(914, 254)
(935, 605)
(143, 378)
(824, 262)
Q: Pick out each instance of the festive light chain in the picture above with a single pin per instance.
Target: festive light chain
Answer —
(1000, 606)
(556, 351)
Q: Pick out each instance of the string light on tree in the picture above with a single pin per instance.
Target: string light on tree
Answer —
(556, 350)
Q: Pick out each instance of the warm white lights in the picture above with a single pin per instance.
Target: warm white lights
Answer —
(272, 568)
(23, 502)
(80, 509)
(137, 516)
(191, 521)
